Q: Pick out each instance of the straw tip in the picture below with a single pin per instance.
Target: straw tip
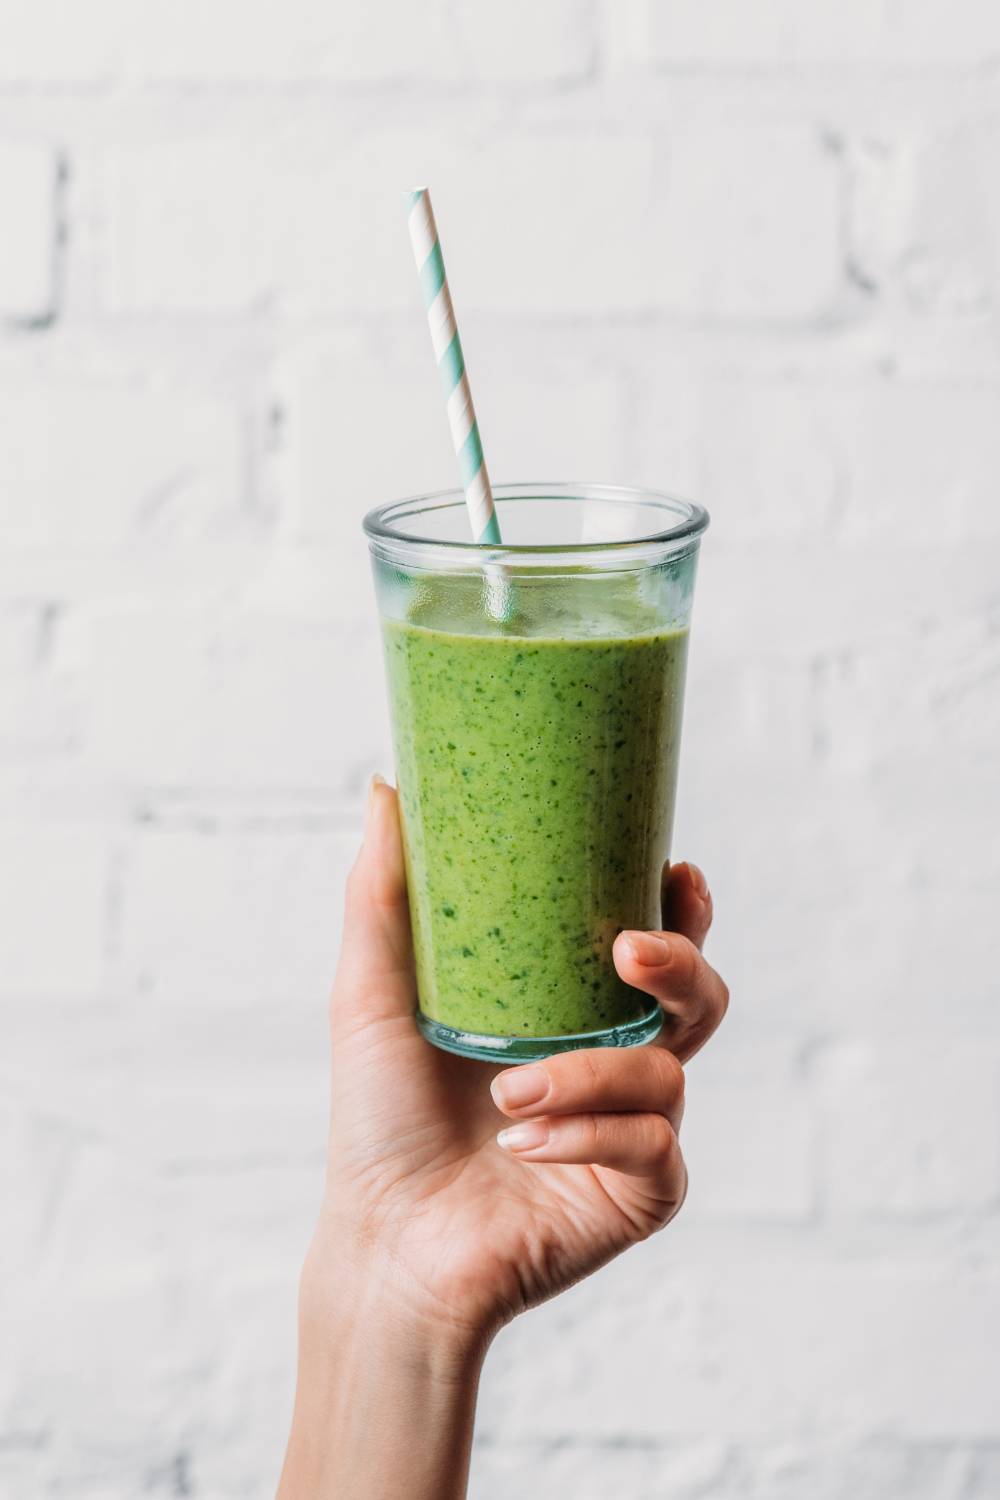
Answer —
(413, 191)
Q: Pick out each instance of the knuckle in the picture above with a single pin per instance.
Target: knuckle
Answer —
(632, 1139)
(659, 1139)
(599, 1131)
(590, 1073)
(673, 1077)
(685, 965)
(572, 1075)
(716, 1002)
(666, 1077)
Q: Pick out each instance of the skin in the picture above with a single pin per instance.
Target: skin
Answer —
(457, 1196)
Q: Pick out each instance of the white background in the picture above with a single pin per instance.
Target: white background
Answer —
(747, 250)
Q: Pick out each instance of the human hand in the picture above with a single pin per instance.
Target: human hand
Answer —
(460, 1225)
(437, 1230)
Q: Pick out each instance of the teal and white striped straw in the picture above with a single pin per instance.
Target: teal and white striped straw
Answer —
(451, 366)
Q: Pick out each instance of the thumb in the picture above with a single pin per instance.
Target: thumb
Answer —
(375, 976)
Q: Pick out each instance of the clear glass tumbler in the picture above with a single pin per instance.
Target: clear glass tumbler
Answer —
(536, 692)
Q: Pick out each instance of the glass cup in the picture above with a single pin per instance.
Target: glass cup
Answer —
(535, 691)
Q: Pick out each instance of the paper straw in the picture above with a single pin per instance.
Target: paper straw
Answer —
(451, 366)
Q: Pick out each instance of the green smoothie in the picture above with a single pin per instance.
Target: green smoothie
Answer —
(536, 779)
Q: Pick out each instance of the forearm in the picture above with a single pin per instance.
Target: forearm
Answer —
(386, 1399)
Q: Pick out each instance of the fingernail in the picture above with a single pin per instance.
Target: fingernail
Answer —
(520, 1087)
(526, 1137)
(649, 949)
(376, 780)
(698, 880)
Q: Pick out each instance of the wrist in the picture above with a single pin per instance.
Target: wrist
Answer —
(349, 1269)
(362, 1297)
(386, 1392)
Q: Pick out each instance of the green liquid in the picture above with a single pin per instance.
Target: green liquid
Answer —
(536, 781)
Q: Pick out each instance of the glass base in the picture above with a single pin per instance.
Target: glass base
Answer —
(508, 1050)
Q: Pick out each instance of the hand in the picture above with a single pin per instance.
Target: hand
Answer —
(428, 1219)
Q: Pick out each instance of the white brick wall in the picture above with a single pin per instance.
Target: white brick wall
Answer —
(29, 176)
(279, 41)
(747, 251)
(919, 35)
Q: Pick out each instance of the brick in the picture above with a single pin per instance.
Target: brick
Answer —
(177, 1088)
(42, 695)
(299, 40)
(775, 462)
(841, 596)
(581, 430)
(645, 1469)
(526, 40)
(304, 40)
(137, 1121)
(85, 467)
(843, 1340)
(57, 41)
(53, 41)
(43, 716)
(913, 696)
(235, 919)
(984, 1473)
(343, 466)
(219, 226)
(924, 218)
(190, 232)
(725, 33)
(339, 399)
(750, 224)
(749, 1133)
(53, 894)
(117, 1287)
(722, 33)
(840, 916)
(28, 244)
(581, 1470)
(578, 260)
(33, 1154)
(855, 462)
(663, 446)
(25, 630)
(912, 1130)
(928, 35)
(182, 699)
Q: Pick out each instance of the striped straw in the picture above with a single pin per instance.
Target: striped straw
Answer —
(451, 366)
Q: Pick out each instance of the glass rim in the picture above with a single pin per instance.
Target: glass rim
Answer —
(694, 522)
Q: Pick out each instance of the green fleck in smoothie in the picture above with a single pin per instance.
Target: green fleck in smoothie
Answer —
(536, 781)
